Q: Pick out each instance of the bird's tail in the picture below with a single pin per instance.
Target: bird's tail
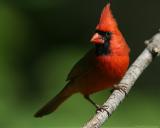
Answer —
(53, 104)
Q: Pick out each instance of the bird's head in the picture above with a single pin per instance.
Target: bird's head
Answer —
(104, 31)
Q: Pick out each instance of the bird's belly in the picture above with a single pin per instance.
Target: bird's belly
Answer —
(95, 87)
(94, 82)
(103, 76)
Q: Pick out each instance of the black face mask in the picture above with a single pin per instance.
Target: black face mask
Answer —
(103, 49)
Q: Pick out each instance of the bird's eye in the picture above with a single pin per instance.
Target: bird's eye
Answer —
(105, 35)
(108, 35)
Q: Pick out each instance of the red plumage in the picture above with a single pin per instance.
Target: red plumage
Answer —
(101, 68)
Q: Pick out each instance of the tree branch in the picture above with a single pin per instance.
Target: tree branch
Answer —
(142, 62)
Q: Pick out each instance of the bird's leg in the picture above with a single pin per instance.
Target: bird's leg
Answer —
(98, 108)
(91, 101)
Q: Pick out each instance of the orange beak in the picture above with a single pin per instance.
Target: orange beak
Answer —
(97, 39)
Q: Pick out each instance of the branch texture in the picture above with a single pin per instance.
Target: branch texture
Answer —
(142, 62)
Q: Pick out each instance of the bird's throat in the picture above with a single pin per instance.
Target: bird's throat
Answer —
(102, 49)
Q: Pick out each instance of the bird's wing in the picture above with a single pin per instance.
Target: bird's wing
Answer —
(83, 65)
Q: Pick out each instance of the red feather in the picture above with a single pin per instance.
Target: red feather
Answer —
(94, 73)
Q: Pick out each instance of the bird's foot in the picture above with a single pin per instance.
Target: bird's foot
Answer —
(120, 88)
(91, 101)
(102, 109)
(111, 91)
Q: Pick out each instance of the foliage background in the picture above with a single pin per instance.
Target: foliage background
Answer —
(40, 40)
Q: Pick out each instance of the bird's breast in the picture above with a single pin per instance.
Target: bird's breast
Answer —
(113, 66)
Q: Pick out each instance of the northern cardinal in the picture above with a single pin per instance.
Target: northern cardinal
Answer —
(101, 68)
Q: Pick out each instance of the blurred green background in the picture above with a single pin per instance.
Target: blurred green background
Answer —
(40, 41)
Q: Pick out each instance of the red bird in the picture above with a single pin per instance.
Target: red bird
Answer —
(101, 68)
